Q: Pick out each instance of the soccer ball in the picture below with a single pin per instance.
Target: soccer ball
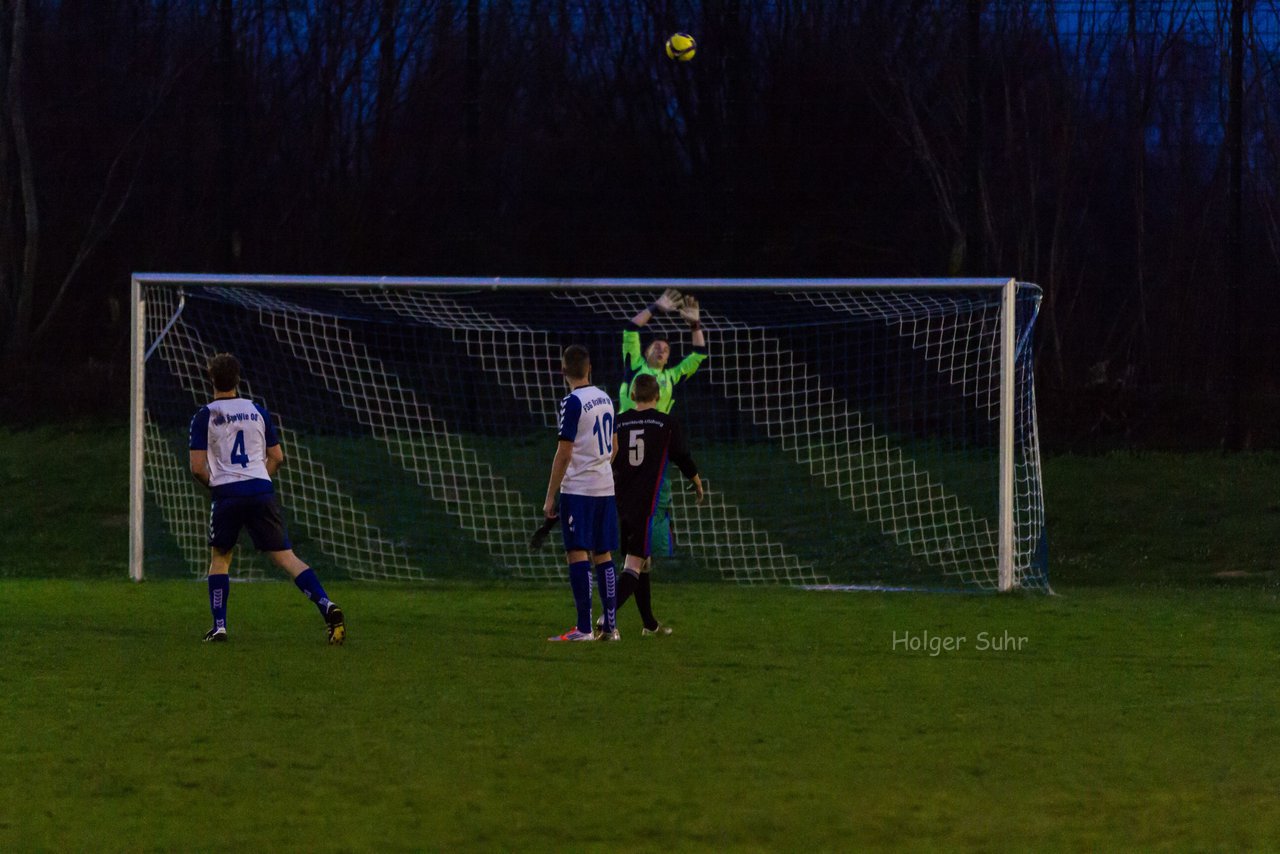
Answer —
(681, 47)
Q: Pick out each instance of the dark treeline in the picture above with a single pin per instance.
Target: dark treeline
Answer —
(1086, 146)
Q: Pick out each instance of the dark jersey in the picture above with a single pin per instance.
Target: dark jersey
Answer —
(646, 440)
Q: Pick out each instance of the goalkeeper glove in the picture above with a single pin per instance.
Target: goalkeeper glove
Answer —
(689, 311)
(670, 300)
(540, 536)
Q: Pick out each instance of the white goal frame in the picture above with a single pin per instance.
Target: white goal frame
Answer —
(142, 348)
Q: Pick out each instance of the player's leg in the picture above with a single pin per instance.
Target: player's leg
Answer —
(634, 533)
(626, 582)
(219, 590)
(266, 527)
(305, 579)
(631, 567)
(631, 537)
(635, 542)
(577, 555)
(644, 601)
(225, 519)
(605, 541)
(607, 582)
(579, 561)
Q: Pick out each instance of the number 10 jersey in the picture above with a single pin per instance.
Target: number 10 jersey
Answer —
(586, 420)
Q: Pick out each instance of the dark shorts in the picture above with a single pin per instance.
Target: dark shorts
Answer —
(636, 535)
(259, 513)
(589, 523)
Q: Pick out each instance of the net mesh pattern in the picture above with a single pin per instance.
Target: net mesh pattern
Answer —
(847, 436)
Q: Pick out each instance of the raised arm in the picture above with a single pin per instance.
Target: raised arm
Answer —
(632, 356)
(668, 302)
(693, 316)
(690, 311)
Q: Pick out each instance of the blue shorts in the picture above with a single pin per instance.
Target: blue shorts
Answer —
(589, 523)
(259, 513)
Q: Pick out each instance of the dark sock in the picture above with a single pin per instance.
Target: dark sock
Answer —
(219, 588)
(626, 585)
(644, 603)
(309, 584)
(607, 581)
(580, 581)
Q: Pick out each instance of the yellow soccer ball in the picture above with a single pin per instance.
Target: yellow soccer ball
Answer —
(681, 47)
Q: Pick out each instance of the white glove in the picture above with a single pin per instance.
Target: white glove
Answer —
(689, 310)
(669, 301)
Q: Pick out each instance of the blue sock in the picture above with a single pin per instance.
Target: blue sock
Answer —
(580, 581)
(309, 584)
(219, 587)
(607, 581)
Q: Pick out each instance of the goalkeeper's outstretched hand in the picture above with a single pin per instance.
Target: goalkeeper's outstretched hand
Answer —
(540, 536)
(670, 300)
(689, 310)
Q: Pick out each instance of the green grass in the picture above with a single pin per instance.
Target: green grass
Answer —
(771, 719)
(66, 508)
(1163, 518)
(1139, 713)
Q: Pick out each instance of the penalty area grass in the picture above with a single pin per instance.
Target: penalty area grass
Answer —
(773, 718)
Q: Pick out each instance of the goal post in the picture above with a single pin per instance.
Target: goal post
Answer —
(875, 433)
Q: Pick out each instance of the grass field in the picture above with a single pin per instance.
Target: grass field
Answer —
(1135, 710)
(773, 719)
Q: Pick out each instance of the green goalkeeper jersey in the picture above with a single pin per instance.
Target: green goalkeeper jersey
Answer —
(633, 364)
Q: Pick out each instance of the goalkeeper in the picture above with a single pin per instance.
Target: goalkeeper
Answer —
(654, 363)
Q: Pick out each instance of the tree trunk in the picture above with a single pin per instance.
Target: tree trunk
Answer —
(15, 117)
(384, 109)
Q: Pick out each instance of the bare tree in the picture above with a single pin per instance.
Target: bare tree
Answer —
(32, 294)
(18, 276)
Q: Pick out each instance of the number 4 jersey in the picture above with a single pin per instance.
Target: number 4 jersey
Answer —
(236, 433)
(586, 420)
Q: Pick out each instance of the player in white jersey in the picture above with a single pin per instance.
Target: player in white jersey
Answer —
(234, 451)
(582, 476)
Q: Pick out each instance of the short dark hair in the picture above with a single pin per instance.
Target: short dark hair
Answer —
(224, 371)
(644, 388)
(576, 362)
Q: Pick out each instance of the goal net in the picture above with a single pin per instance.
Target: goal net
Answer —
(850, 433)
